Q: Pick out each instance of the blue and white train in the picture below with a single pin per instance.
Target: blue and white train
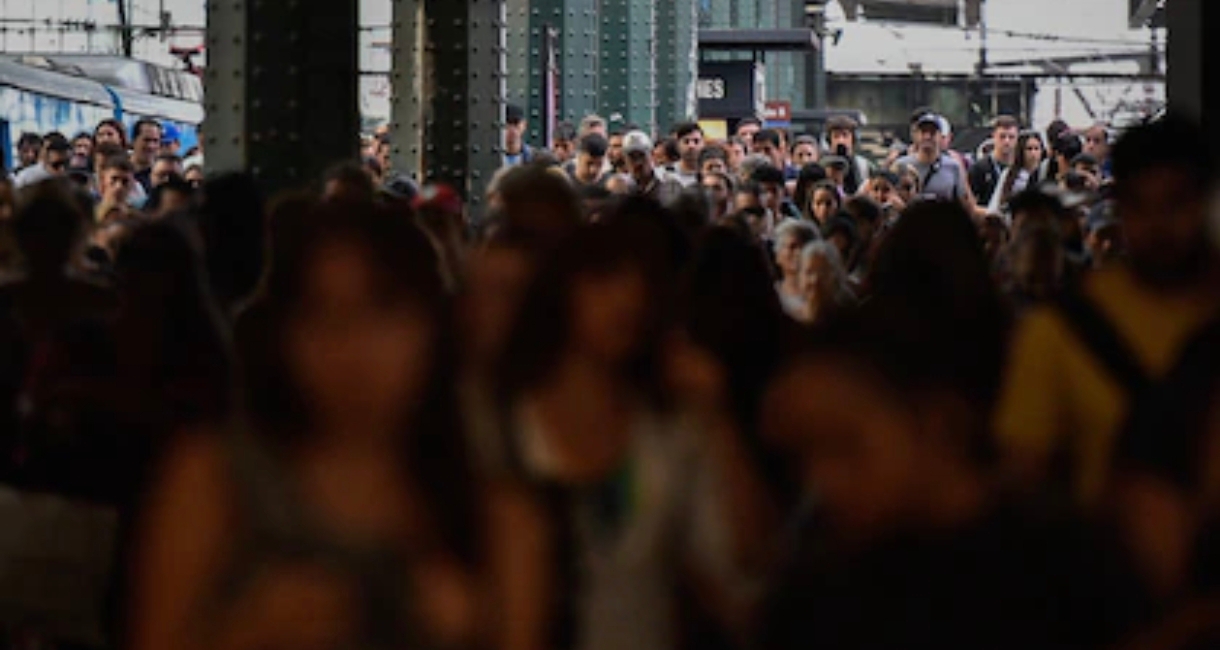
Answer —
(71, 93)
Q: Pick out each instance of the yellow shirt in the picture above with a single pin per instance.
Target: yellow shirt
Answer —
(1059, 396)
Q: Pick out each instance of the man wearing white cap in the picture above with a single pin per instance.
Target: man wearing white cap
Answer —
(940, 176)
(649, 181)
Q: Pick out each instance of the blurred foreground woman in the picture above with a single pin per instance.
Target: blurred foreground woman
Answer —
(341, 513)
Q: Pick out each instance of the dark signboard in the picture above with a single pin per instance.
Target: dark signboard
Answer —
(935, 12)
(726, 89)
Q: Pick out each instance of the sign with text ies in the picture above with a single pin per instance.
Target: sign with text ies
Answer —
(725, 89)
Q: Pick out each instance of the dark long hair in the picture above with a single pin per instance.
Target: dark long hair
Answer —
(729, 307)
(1014, 171)
(404, 264)
(544, 323)
(195, 339)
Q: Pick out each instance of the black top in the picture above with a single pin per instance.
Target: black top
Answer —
(1005, 581)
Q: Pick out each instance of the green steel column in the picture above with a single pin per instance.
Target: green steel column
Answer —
(676, 60)
(519, 61)
(282, 98)
(628, 66)
(580, 60)
(543, 13)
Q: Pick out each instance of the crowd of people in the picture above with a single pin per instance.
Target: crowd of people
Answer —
(762, 393)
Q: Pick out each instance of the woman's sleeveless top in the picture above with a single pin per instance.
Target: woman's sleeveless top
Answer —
(275, 526)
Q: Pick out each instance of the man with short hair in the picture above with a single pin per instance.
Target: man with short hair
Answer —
(771, 183)
(770, 143)
(747, 128)
(516, 151)
(588, 166)
(614, 153)
(115, 183)
(985, 174)
(593, 124)
(564, 145)
(939, 175)
(713, 160)
(737, 150)
(145, 145)
(82, 151)
(842, 135)
(55, 154)
(649, 181)
(690, 144)
(166, 166)
(29, 149)
(1097, 144)
(718, 187)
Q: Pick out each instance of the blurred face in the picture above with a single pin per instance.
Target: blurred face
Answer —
(659, 156)
(147, 144)
(608, 313)
(56, 162)
(107, 133)
(907, 185)
(615, 152)
(163, 170)
(1165, 220)
(28, 154)
(841, 138)
(512, 136)
(383, 155)
(640, 167)
(824, 205)
(817, 278)
(855, 444)
(1033, 153)
(772, 196)
(589, 168)
(689, 147)
(496, 281)
(351, 350)
(737, 153)
(1105, 245)
(1005, 143)
(881, 191)
(804, 154)
(563, 150)
(927, 141)
(718, 192)
(194, 176)
(82, 148)
(714, 166)
(788, 256)
(772, 152)
(746, 201)
(1096, 143)
(172, 202)
(747, 132)
(117, 181)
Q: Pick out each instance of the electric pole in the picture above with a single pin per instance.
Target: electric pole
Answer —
(125, 34)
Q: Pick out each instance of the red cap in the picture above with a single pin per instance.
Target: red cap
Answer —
(440, 198)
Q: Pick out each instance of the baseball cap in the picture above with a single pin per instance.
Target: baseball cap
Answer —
(841, 123)
(932, 119)
(169, 133)
(637, 142)
(513, 114)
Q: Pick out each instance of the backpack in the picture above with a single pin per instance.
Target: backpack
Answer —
(1167, 419)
